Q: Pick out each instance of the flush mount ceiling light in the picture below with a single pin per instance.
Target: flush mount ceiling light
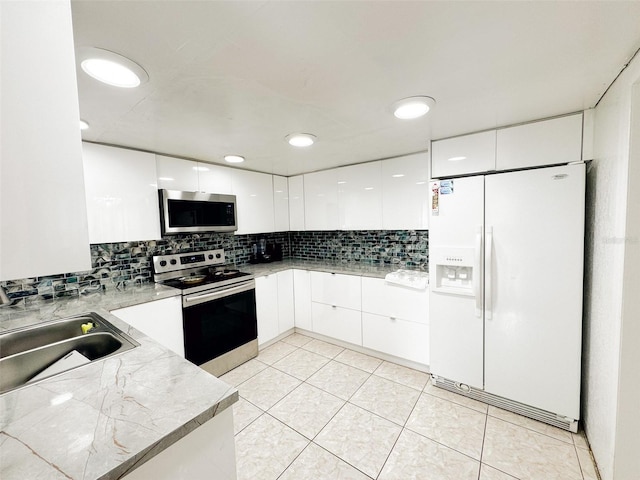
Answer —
(300, 139)
(83, 125)
(233, 158)
(111, 68)
(412, 107)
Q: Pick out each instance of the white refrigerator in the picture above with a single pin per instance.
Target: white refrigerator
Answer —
(506, 283)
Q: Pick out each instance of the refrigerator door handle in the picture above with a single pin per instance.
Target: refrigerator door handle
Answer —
(488, 256)
(477, 274)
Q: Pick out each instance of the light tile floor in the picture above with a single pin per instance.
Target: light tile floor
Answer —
(309, 409)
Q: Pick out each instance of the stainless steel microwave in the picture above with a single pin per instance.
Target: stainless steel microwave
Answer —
(196, 212)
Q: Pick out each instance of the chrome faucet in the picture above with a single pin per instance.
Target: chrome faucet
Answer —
(4, 299)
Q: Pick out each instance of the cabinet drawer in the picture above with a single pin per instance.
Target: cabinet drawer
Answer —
(401, 338)
(337, 322)
(336, 289)
(382, 298)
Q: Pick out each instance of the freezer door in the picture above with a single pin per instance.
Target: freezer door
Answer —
(533, 286)
(455, 280)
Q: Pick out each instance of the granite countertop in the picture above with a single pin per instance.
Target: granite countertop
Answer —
(364, 269)
(103, 419)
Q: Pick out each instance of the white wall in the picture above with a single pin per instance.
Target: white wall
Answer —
(606, 243)
(626, 458)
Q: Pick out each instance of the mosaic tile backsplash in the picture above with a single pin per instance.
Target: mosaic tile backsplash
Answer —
(119, 264)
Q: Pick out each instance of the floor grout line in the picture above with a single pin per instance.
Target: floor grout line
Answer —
(403, 427)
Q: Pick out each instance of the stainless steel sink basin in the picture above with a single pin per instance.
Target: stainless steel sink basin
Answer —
(31, 354)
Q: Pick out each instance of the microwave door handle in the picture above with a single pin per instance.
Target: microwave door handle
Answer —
(206, 297)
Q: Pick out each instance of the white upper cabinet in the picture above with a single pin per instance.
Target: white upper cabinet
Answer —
(548, 142)
(296, 203)
(214, 179)
(463, 155)
(321, 200)
(405, 193)
(254, 197)
(43, 214)
(281, 203)
(176, 174)
(121, 194)
(360, 197)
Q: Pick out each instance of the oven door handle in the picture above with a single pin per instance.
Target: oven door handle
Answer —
(191, 300)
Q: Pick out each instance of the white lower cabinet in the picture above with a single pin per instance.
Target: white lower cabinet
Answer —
(337, 322)
(302, 299)
(267, 307)
(401, 338)
(286, 307)
(274, 305)
(395, 320)
(161, 320)
(209, 448)
(336, 289)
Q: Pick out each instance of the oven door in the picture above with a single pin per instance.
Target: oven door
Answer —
(217, 323)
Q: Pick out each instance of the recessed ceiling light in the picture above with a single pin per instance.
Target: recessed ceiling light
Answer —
(300, 139)
(166, 179)
(412, 107)
(83, 125)
(111, 68)
(398, 175)
(456, 159)
(233, 158)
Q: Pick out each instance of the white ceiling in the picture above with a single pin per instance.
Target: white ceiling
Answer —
(235, 77)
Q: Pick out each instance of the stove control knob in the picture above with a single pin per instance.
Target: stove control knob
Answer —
(163, 263)
(218, 255)
(173, 261)
(211, 256)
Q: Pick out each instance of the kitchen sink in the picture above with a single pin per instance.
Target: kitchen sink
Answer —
(31, 354)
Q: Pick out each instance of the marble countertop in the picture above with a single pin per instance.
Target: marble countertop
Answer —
(349, 268)
(103, 419)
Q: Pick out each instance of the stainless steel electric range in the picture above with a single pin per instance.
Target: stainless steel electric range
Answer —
(218, 308)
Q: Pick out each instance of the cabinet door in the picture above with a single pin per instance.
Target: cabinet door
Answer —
(391, 300)
(267, 308)
(280, 203)
(296, 203)
(177, 174)
(463, 155)
(336, 289)
(405, 193)
(321, 200)
(548, 142)
(401, 338)
(122, 199)
(254, 196)
(337, 322)
(286, 313)
(360, 197)
(161, 320)
(214, 179)
(302, 299)
(43, 217)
